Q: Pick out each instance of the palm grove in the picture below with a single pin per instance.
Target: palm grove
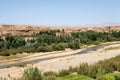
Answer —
(46, 41)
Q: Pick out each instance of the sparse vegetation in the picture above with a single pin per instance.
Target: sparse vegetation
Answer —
(32, 74)
(63, 73)
(50, 75)
(103, 70)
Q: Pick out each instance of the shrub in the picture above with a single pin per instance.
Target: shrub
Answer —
(108, 65)
(50, 75)
(32, 74)
(74, 77)
(64, 72)
(108, 77)
(4, 53)
(117, 65)
(83, 69)
(92, 71)
(74, 45)
(100, 73)
(58, 47)
(41, 49)
(117, 76)
(72, 69)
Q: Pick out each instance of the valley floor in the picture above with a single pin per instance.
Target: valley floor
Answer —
(55, 61)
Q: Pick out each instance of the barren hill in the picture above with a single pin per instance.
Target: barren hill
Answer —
(27, 29)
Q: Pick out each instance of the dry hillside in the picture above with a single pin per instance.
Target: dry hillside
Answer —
(26, 29)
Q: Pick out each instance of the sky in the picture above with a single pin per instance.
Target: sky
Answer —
(60, 12)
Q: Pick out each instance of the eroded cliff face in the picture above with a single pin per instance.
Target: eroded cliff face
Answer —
(20, 29)
(26, 29)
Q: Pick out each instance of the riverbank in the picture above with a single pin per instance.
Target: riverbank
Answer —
(61, 62)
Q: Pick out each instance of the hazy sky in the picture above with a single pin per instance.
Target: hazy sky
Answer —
(59, 12)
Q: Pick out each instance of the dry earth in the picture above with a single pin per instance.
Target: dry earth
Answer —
(28, 29)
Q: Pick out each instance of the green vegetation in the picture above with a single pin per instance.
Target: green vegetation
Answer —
(107, 77)
(49, 75)
(74, 77)
(53, 40)
(32, 74)
(64, 73)
(46, 41)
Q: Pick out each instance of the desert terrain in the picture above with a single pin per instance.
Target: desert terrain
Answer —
(28, 29)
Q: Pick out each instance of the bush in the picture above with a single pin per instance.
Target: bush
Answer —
(108, 77)
(74, 45)
(100, 73)
(74, 77)
(50, 75)
(32, 74)
(72, 69)
(4, 53)
(57, 47)
(92, 71)
(107, 65)
(83, 69)
(64, 72)
(42, 49)
(117, 65)
(117, 76)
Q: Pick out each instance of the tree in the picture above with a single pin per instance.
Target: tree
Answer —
(1, 43)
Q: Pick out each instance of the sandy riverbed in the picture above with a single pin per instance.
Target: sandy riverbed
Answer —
(64, 62)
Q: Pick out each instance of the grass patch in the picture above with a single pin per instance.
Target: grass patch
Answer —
(74, 77)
